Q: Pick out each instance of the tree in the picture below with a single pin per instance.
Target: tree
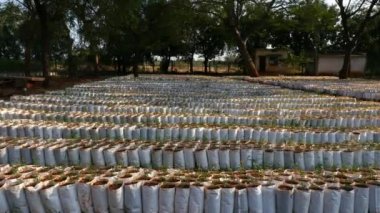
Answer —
(231, 13)
(48, 13)
(371, 45)
(209, 38)
(10, 18)
(355, 17)
(313, 25)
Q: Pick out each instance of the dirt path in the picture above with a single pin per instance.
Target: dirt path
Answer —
(55, 84)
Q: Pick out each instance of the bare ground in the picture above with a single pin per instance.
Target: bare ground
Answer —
(56, 83)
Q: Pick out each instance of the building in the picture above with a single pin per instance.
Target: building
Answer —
(274, 61)
(271, 60)
(329, 64)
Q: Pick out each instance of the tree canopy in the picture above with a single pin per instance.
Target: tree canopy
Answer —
(127, 33)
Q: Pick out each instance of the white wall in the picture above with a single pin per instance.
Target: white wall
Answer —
(333, 63)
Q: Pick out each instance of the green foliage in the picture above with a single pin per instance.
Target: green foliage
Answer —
(126, 33)
(10, 18)
(372, 44)
(7, 65)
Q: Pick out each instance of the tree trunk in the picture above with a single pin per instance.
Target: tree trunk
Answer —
(45, 45)
(205, 64)
(228, 67)
(28, 56)
(144, 65)
(316, 56)
(172, 66)
(346, 68)
(135, 70)
(250, 65)
(72, 66)
(191, 63)
(119, 65)
(96, 63)
(45, 51)
(165, 63)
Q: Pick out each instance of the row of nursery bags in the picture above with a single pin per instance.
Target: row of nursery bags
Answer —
(349, 122)
(186, 157)
(352, 90)
(275, 136)
(91, 108)
(104, 195)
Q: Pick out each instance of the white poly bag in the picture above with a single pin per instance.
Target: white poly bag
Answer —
(337, 159)
(201, 159)
(278, 159)
(121, 157)
(268, 158)
(318, 158)
(16, 197)
(257, 158)
(212, 199)
(97, 156)
(235, 158)
(316, 200)
(368, 158)
(196, 198)
(85, 156)
(166, 197)
(182, 195)
(115, 194)
(288, 159)
(49, 156)
(168, 158)
(84, 195)
(227, 198)
(150, 197)
(50, 197)
(331, 200)
(3, 201)
(213, 158)
(179, 158)
(301, 200)
(358, 157)
(33, 198)
(224, 158)
(157, 157)
(145, 156)
(284, 199)
(99, 195)
(69, 199)
(328, 159)
(246, 157)
(61, 157)
(132, 197)
(38, 156)
(269, 198)
(255, 200)
(14, 155)
(347, 157)
(361, 198)
(110, 156)
(73, 155)
(188, 154)
(347, 199)
(133, 156)
(374, 196)
(241, 199)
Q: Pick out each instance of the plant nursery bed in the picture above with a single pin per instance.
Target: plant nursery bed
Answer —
(168, 143)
